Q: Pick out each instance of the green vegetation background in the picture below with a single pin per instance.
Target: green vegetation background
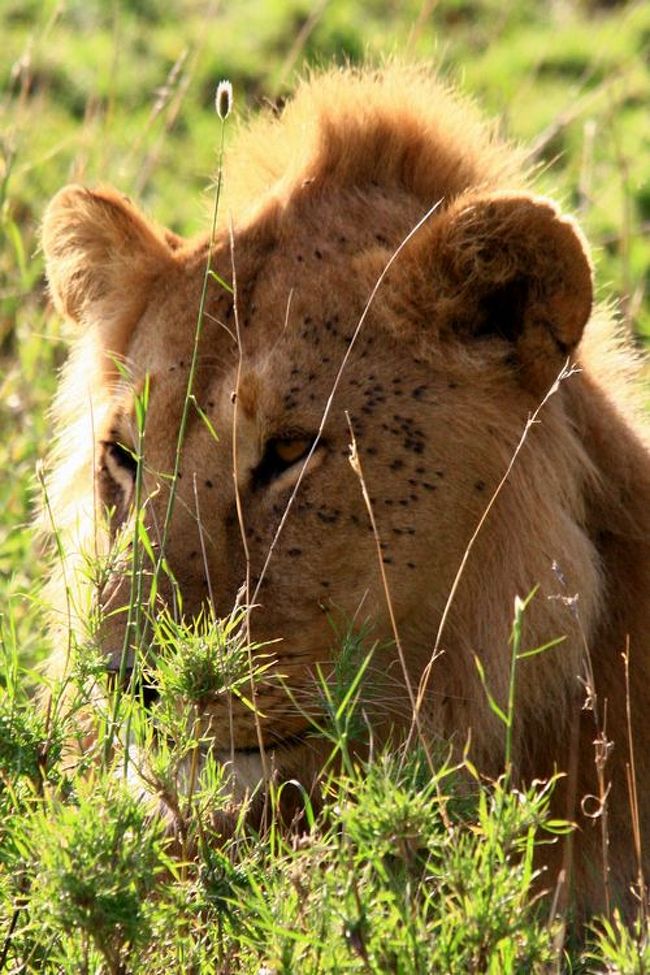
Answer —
(123, 92)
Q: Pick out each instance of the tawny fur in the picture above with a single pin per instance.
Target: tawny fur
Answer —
(469, 330)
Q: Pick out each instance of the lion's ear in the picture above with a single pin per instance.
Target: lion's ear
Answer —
(507, 266)
(102, 258)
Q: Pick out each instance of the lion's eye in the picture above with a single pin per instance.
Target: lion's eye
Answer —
(290, 451)
(119, 459)
(279, 455)
(116, 473)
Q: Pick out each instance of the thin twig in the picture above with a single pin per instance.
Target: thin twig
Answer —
(335, 386)
(565, 373)
(193, 362)
(355, 462)
(204, 554)
(602, 749)
(10, 933)
(242, 526)
(630, 768)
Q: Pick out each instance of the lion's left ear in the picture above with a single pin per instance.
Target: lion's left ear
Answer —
(102, 260)
(502, 265)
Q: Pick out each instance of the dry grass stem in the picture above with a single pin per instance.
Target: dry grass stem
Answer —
(355, 463)
(335, 386)
(204, 554)
(565, 373)
(248, 602)
(630, 768)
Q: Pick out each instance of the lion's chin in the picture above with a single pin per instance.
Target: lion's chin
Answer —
(247, 769)
(243, 793)
(245, 766)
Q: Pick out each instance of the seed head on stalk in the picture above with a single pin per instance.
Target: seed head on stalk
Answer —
(223, 100)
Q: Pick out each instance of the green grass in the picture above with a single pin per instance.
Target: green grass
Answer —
(402, 871)
(399, 870)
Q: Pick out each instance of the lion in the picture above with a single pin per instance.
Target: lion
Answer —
(381, 271)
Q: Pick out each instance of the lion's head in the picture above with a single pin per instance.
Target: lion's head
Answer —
(335, 310)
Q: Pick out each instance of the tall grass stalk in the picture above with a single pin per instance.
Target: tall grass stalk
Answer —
(565, 373)
(131, 641)
(198, 332)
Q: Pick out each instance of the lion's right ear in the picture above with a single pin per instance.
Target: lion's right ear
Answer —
(503, 267)
(102, 258)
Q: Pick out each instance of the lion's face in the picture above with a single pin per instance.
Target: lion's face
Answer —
(467, 331)
(310, 555)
